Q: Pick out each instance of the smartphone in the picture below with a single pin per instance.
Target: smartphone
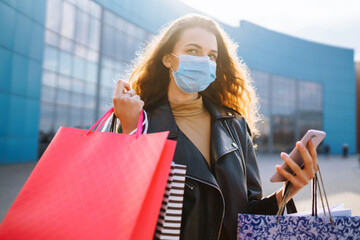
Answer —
(316, 136)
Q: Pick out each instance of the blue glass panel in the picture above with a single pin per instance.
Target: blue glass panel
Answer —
(47, 117)
(34, 79)
(66, 63)
(10, 2)
(7, 25)
(22, 34)
(16, 116)
(30, 150)
(19, 74)
(39, 11)
(5, 69)
(37, 42)
(51, 57)
(53, 14)
(4, 111)
(25, 7)
(13, 146)
(32, 112)
(3, 150)
(79, 68)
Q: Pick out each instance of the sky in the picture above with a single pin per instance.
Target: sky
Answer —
(332, 22)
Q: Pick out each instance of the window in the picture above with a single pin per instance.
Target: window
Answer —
(61, 116)
(46, 117)
(283, 95)
(49, 78)
(91, 72)
(53, 15)
(94, 33)
(289, 106)
(51, 38)
(82, 27)
(78, 86)
(68, 20)
(62, 97)
(79, 68)
(51, 58)
(108, 40)
(66, 62)
(64, 83)
(47, 94)
(75, 117)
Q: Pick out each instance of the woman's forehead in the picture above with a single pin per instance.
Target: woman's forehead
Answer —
(197, 36)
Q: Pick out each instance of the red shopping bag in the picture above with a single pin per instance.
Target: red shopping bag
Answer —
(93, 186)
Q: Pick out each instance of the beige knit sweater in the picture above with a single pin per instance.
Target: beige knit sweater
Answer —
(194, 121)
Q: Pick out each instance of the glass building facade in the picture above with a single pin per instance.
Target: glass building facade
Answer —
(289, 107)
(60, 59)
(87, 48)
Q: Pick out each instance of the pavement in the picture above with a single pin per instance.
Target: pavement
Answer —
(341, 179)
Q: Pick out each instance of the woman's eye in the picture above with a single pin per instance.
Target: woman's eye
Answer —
(192, 51)
(212, 57)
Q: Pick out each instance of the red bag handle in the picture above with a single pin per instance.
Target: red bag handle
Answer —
(106, 116)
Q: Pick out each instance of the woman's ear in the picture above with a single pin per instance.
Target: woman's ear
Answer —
(166, 61)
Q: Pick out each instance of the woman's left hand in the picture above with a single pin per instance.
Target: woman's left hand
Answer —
(302, 176)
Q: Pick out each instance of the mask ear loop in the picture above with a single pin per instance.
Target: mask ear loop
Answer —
(171, 66)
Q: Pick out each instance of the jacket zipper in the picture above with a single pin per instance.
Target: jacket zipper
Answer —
(222, 197)
(240, 155)
(189, 186)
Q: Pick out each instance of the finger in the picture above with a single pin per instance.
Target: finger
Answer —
(294, 167)
(308, 162)
(131, 92)
(305, 154)
(136, 97)
(313, 153)
(288, 176)
(120, 87)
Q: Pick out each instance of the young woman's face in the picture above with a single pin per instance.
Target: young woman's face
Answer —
(194, 41)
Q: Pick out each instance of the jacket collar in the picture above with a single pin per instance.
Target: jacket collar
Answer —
(217, 111)
(158, 113)
(163, 110)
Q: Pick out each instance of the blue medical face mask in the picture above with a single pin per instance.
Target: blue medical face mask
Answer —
(194, 73)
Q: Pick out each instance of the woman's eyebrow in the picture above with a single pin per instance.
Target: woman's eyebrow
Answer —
(198, 46)
(193, 44)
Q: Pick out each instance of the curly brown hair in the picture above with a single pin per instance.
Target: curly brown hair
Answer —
(232, 88)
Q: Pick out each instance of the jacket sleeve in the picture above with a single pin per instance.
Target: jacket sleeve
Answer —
(257, 203)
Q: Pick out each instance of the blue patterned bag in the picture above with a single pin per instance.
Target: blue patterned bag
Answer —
(297, 227)
(300, 227)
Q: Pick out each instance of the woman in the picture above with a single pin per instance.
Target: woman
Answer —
(191, 83)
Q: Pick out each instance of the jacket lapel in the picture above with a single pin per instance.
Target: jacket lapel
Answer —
(161, 119)
(221, 142)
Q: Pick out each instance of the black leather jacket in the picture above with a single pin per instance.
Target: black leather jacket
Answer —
(215, 195)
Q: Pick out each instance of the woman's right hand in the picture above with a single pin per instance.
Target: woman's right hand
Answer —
(127, 106)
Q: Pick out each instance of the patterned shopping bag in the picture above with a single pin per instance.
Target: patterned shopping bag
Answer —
(326, 227)
(297, 227)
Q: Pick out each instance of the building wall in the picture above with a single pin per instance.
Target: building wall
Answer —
(21, 51)
(149, 15)
(61, 70)
(333, 67)
(278, 54)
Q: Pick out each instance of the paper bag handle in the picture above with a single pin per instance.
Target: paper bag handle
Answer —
(107, 115)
